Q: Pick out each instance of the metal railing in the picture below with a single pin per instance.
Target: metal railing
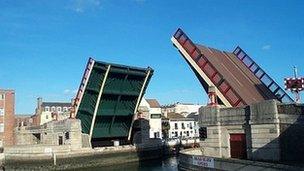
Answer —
(217, 79)
(81, 88)
(276, 90)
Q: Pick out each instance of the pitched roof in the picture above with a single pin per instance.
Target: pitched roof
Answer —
(174, 116)
(23, 115)
(61, 104)
(153, 103)
(193, 115)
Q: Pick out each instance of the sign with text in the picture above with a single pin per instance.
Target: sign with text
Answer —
(203, 161)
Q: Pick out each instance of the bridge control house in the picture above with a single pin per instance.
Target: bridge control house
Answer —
(255, 118)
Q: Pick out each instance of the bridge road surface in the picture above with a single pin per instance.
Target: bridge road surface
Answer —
(241, 79)
(262, 88)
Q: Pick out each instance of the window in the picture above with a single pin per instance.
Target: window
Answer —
(60, 139)
(176, 134)
(65, 109)
(67, 135)
(155, 116)
(46, 116)
(47, 108)
(58, 109)
(190, 125)
(53, 109)
(2, 96)
(1, 111)
(1, 127)
(175, 126)
(181, 133)
(187, 133)
(183, 126)
(156, 134)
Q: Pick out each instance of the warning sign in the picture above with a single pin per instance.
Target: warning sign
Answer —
(203, 161)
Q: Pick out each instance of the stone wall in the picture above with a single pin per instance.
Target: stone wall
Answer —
(274, 131)
(217, 143)
(69, 131)
(209, 117)
(265, 131)
(38, 158)
(291, 132)
(22, 137)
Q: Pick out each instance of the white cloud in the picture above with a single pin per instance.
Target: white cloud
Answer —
(182, 91)
(266, 47)
(81, 6)
(66, 91)
(69, 92)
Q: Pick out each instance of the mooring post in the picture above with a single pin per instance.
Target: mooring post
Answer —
(54, 158)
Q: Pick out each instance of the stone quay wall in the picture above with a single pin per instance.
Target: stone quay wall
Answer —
(193, 160)
(61, 159)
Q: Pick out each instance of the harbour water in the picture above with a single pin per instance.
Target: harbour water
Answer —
(167, 164)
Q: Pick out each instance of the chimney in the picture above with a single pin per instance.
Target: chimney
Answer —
(39, 105)
(39, 102)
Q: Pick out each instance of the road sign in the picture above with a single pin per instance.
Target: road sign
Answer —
(294, 84)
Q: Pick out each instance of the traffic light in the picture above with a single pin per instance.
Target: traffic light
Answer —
(202, 133)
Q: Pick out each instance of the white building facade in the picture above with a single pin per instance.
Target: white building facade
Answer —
(152, 112)
(183, 128)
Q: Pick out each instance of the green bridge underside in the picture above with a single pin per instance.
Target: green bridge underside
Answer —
(118, 99)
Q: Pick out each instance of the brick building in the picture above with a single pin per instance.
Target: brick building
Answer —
(7, 117)
(23, 120)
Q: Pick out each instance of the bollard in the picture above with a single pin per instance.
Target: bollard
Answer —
(54, 158)
(202, 150)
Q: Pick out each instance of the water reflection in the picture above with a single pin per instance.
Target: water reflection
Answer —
(168, 164)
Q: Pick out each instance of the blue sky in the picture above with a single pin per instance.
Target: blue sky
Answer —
(44, 45)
